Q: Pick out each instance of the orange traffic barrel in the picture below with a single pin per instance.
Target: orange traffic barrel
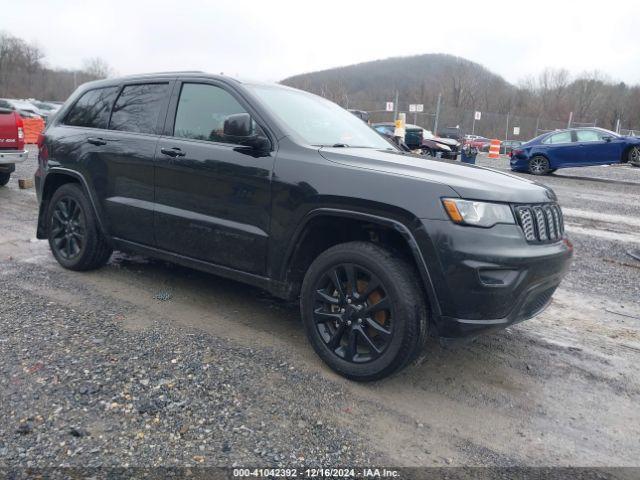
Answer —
(494, 149)
(32, 128)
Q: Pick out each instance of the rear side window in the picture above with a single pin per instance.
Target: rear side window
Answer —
(92, 109)
(202, 110)
(138, 107)
(563, 137)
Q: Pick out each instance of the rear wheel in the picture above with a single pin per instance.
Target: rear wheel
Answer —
(74, 237)
(538, 165)
(363, 310)
(4, 179)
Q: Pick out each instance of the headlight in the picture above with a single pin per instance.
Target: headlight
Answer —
(479, 214)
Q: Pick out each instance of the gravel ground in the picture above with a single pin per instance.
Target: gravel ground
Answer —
(79, 390)
(144, 363)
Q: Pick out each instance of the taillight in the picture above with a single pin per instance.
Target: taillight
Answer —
(516, 152)
(20, 127)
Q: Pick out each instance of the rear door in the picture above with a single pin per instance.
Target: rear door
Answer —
(213, 195)
(562, 150)
(124, 159)
(596, 150)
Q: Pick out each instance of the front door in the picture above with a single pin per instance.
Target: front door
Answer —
(212, 195)
(597, 148)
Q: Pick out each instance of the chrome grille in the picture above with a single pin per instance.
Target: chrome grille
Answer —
(540, 223)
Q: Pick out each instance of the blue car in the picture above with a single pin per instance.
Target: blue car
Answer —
(574, 147)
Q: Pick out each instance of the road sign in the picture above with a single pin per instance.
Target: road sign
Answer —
(412, 108)
(416, 107)
(477, 116)
(419, 107)
(516, 130)
(389, 107)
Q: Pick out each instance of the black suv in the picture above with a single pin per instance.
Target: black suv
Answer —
(287, 191)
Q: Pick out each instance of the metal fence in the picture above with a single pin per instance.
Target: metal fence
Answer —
(491, 125)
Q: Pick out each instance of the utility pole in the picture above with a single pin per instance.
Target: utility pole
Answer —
(570, 119)
(395, 108)
(437, 117)
(506, 132)
(537, 125)
(618, 126)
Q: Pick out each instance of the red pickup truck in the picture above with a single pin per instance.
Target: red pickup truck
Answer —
(12, 149)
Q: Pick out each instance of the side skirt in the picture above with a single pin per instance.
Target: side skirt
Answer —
(278, 289)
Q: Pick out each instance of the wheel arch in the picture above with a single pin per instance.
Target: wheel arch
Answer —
(55, 178)
(625, 152)
(391, 233)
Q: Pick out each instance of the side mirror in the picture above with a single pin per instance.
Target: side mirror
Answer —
(239, 126)
(608, 138)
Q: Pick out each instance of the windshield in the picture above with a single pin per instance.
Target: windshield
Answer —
(318, 121)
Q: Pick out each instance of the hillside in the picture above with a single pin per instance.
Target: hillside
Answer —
(418, 79)
(538, 103)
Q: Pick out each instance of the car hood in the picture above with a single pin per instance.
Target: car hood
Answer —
(469, 181)
(446, 141)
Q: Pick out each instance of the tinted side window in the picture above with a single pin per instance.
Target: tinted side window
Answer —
(202, 110)
(92, 109)
(138, 107)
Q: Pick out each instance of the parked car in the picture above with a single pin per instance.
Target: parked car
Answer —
(451, 132)
(482, 144)
(25, 108)
(507, 146)
(449, 147)
(361, 114)
(288, 192)
(12, 149)
(417, 138)
(575, 147)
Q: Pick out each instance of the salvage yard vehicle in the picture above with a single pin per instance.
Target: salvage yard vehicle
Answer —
(417, 138)
(12, 149)
(287, 191)
(574, 147)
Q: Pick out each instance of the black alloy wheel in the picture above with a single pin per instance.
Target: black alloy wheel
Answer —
(74, 236)
(353, 313)
(363, 310)
(68, 228)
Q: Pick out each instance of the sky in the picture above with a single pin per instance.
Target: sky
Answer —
(271, 39)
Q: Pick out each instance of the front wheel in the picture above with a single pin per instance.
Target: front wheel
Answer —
(538, 165)
(633, 157)
(363, 310)
(4, 179)
(74, 237)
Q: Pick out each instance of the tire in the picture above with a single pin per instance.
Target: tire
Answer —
(374, 330)
(4, 179)
(72, 229)
(633, 156)
(539, 165)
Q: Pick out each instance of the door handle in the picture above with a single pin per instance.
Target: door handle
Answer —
(172, 152)
(96, 141)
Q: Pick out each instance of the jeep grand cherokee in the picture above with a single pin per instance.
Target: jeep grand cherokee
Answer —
(287, 191)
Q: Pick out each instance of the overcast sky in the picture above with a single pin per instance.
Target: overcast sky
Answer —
(272, 39)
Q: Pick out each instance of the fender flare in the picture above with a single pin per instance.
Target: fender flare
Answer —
(376, 219)
(85, 186)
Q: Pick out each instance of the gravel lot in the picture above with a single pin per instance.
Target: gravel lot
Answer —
(143, 363)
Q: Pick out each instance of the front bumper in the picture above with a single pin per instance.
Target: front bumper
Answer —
(10, 157)
(491, 278)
